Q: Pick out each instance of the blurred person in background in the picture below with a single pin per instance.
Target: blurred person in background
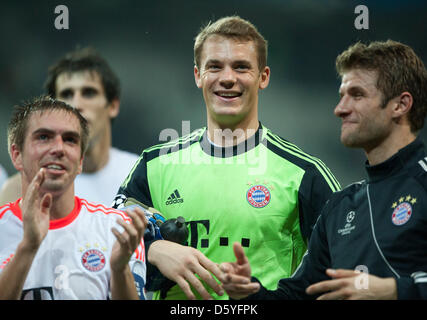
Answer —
(3, 176)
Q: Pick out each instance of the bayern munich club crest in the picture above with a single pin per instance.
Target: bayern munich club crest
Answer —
(401, 214)
(93, 260)
(258, 196)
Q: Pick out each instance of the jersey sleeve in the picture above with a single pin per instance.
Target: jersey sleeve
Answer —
(311, 270)
(415, 286)
(135, 189)
(316, 187)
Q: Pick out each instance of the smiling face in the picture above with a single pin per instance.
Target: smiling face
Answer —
(230, 79)
(365, 122)
(52, 141)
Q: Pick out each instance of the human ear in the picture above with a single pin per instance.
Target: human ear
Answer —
(16, 157)
(197, 77)
(264, 78)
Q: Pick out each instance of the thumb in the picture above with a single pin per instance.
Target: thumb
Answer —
(239, 253)
(46, 203)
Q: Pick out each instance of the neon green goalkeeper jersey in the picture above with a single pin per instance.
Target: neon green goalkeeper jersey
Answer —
(265, 193)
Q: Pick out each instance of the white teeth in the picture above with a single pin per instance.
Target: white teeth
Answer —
(231, 94)
(54, 166)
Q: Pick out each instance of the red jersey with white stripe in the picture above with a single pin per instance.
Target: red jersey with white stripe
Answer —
(73, 261)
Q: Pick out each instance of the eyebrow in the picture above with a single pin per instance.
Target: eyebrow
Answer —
(86, 87)
(74, 134)
(236, 62)
(352, 89)
(210, 61)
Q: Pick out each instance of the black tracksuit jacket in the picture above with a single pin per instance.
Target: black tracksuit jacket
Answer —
(378, 226)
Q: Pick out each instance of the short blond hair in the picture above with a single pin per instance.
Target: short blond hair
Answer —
(232, 27)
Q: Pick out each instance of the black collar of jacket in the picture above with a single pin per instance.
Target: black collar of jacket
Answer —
(405, 157)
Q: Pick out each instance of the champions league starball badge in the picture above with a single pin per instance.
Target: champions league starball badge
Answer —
(258, 196)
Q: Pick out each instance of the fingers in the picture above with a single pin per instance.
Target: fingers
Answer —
(46, 203)
(341, 273)
(189, 280)
(337, 289)
(33, 188)
(199, 264)
(239, 253)
(133, 231)
(204, 273)
(210, 266)
(239, 291)
(138, 219)
(128, 239)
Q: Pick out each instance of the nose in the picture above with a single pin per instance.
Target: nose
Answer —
(57, 146)
(228, 78)
(77, 102)
(341, 108)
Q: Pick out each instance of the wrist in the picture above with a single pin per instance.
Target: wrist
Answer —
(153, 250)
(28, 247)
(391, 289)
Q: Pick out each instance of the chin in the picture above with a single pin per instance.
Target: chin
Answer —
(228, 119)
(52, 186)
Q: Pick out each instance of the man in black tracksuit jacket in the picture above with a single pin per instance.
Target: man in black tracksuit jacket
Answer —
(370, 242)
(364, 225)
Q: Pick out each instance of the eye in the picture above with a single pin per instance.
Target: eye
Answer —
(89, 92)
(358, 95)
(66, 94)
(242, 67)
(213, 67)
(71, 139)
(43, 137)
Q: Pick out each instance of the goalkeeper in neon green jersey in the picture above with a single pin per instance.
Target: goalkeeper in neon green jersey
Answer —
(234, 180)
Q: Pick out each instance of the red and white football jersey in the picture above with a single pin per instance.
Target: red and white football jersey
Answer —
(73, 261)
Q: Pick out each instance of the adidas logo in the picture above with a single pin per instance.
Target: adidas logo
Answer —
(175, 197)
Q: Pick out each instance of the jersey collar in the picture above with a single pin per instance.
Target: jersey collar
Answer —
(403, 158)
(227, 152)
(53, 224)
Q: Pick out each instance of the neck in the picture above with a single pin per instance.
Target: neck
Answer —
(227, 135)
(389, 146)
(98, 152)
(61, 206)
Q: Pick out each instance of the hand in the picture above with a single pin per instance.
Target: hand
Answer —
(237, 282)
(348, 285)
(128, 240)
(35, 212)
(180, 264)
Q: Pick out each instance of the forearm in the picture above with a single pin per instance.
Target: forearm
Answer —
(123, 285)
(13, 276)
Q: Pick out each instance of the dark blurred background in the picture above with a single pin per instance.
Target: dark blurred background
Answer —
(150, 46)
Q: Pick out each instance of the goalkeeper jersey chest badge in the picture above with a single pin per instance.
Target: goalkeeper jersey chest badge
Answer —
(258, 196)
